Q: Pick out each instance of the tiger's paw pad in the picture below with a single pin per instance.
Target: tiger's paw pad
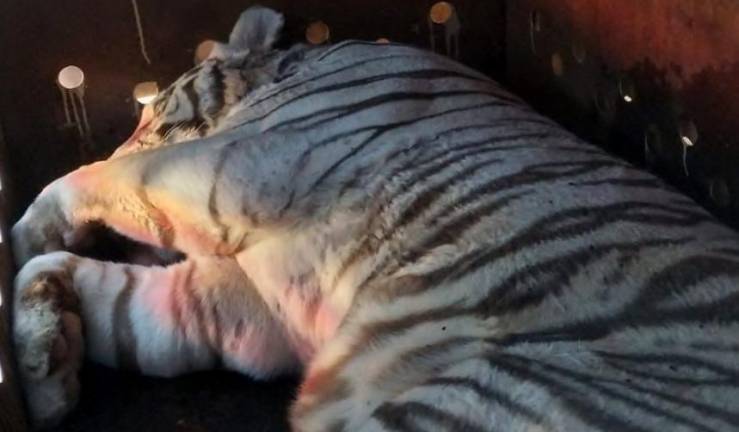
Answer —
(48, 338)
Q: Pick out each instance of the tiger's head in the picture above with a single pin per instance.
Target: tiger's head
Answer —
(196, 103)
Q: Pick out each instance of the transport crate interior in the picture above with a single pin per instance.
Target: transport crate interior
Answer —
(655, 82)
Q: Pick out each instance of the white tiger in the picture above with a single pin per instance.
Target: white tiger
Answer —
(427, 250)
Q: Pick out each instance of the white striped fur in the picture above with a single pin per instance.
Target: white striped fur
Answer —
(431, 253)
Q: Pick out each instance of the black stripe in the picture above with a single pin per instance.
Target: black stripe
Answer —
(124, 335)
(649, 183)
(175, 307)
(373, 102)
(572, 398)
(190, 74)
(450, 232)
(704, 346)
(574, 387)
(213, 212)
(436, 163)
(196, 304)
(378, 130)
(671, 373)
(387, 127)
(425, 74)
(401, 416)
(490, 395)
(645, 310)
(573, 222)
(633, 394)
(194, 98)
(531, 285)
(432, 194)
(162, 98)
(673, 362)
(418, 160)
(165, 231)
(534, 174)
(174, 98)
(346, 44)
(217, 343)
(217, 92)
(520, 179)
(286, 87)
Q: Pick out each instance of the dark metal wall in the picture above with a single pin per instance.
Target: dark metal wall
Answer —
(11, 412)
(656, 81)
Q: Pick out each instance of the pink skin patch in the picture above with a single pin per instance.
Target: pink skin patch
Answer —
(241, 341)
(311, 319)
(315, 381)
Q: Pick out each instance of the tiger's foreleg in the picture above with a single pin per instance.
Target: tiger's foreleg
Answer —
(194, 315)
(198, 197)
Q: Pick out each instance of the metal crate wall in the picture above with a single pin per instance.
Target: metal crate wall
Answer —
(655, 81)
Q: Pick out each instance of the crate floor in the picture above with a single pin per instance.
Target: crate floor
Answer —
(203, 402)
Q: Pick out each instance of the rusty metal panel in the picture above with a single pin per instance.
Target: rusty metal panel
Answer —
(655, 81)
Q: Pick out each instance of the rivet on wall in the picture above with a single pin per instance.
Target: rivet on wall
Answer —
(558, 65)
(688, 138)
(444, 14)
(688, 132)
(627, 89)
(719, 192)
(535, 26)
(441, 12)
(71, 82)
(203, 50)
(145, 92)
(317, 33)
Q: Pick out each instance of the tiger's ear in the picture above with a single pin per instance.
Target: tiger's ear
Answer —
(257, 29)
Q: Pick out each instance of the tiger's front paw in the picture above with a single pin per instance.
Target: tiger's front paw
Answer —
(43, 228)
(48, 337)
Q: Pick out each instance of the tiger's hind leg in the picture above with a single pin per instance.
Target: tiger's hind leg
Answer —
(383, 351)
(193, 315)
(611, 385)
